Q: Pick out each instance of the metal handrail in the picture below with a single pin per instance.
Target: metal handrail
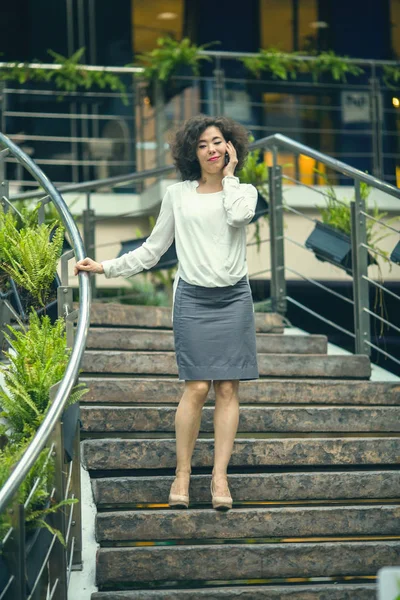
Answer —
(337, 165)
(72, 371)
(217, 54)
(270, 141)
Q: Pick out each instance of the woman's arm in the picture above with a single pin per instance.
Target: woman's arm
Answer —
(239, 201)
(144, 257)
(150, 252)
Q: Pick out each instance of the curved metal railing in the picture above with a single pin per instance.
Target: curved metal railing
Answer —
(72, 370)
(66, 484)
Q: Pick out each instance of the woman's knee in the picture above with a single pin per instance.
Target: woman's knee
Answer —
(226, 389)
(198, 389)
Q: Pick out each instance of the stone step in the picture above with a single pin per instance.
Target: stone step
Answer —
(329, 591)
(196, 563)
(207, 524)
(123, 315)
(255, 487)
(105, 338)
(272, 391)
(113, 453)
(272, 365)
(254, 419)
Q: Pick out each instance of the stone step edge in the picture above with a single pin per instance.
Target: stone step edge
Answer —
(305, 336)
(322, 485)
(329, 591)
(161, 389)
(260, 524)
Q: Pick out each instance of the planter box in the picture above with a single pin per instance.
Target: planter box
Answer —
(262, 208)
(395, 256)
(167, 261)
(37, 545)
(4, 574)
(333, 246)
(172, 87)
(69, 422)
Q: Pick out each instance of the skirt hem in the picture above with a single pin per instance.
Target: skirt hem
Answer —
(212, 374)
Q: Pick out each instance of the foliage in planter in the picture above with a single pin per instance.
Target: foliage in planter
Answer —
(285, 65)
(38, 361)
(391, 77)
(163, 62)
(39, 505)
(144, 293)
(28, 254)
(69, 78)
(337, 214)
(255, 171)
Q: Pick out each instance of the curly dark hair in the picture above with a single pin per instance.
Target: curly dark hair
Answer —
(184, 144)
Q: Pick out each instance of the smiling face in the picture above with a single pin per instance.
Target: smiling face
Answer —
(211, 149)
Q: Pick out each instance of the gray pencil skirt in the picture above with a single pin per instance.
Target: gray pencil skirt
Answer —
(214, 332)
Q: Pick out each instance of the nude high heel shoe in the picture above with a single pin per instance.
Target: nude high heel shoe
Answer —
(220, 502)
(179, 500)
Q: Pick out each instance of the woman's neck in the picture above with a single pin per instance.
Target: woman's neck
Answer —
(211, 183)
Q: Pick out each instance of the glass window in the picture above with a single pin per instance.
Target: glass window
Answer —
(277, 24)
(154, 18)
(395, 22)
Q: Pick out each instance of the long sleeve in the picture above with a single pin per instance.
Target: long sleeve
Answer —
(239, 201)
(150, 252)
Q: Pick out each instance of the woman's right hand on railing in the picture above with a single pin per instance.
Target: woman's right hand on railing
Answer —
(88, 264)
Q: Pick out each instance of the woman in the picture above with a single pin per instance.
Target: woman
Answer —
(213, 318)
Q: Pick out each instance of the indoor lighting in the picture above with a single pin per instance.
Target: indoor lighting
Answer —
(396, 102)
(167, 16)
(319, 25)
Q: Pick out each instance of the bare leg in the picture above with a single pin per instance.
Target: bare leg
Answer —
(226, 419)
(187, 425)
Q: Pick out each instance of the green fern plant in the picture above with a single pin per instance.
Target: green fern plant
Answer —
(285, 65)
(69, 78)
(37, 361)
(30, 257)
(162, 62)
(39, 479)
(255, 171)
(332, 64)
(337, 214)
(281, 65)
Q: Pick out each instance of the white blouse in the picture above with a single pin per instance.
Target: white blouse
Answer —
(209, 232)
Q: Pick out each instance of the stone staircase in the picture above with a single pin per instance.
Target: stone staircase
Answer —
(313, 474)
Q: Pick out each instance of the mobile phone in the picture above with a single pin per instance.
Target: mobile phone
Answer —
(226, 158)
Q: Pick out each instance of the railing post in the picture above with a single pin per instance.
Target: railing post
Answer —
(5, 320)
(219, 87)
(3, 183)
(58, 556)
(89, 236)
(376, 123)
(15, 553)
(278, 282)
(159, 122)
(359, 253)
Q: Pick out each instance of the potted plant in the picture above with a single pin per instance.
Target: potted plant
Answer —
(29, 255)
(395, 256)
(38, 361)
(171, 59)
(255, 171)
(331, 239)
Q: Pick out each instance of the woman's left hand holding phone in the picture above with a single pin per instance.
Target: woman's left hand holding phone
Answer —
(229, 170)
